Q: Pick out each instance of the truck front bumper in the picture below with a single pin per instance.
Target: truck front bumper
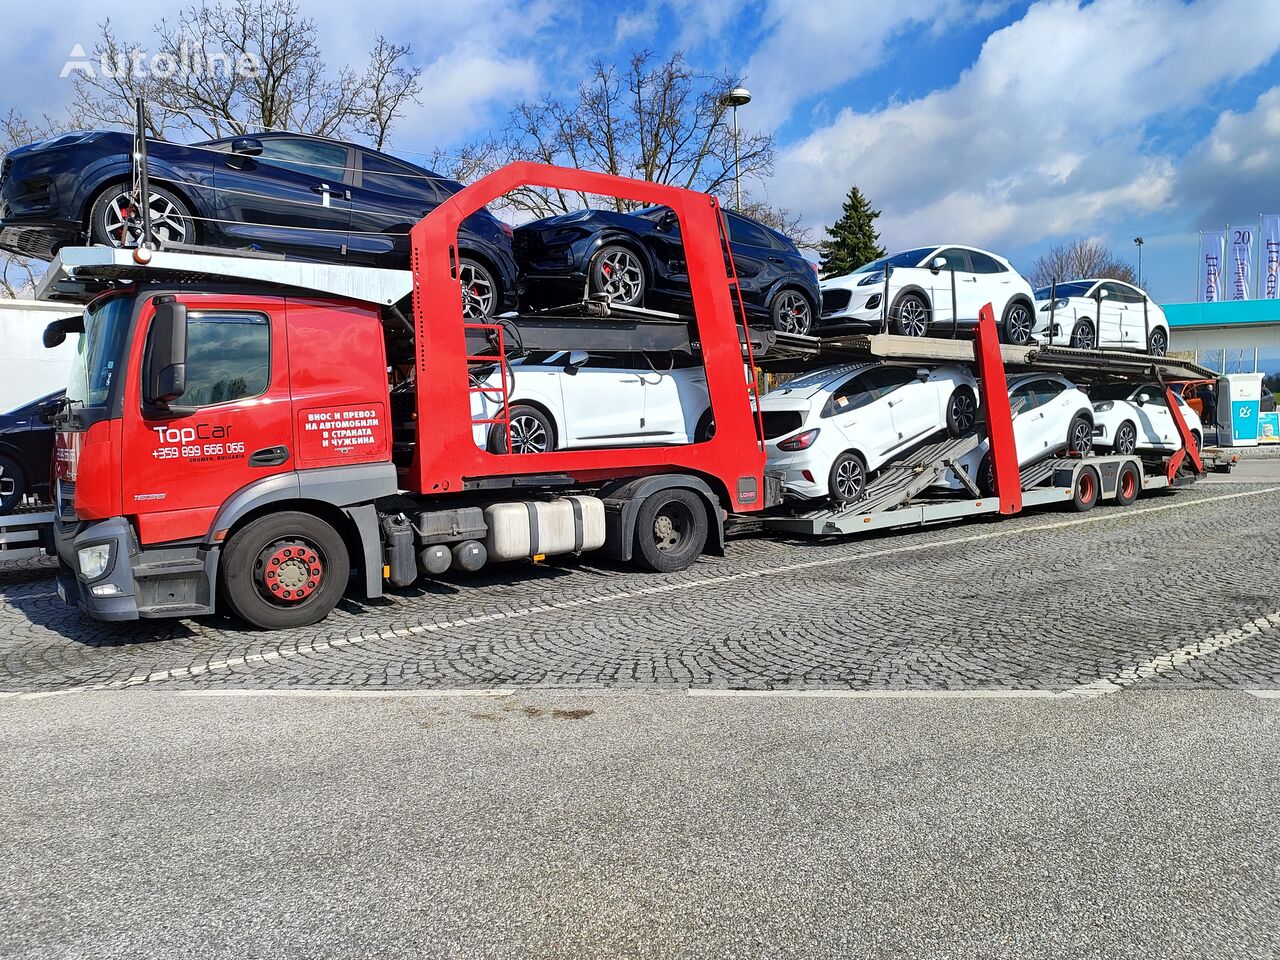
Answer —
(167, 581)
(112, 594)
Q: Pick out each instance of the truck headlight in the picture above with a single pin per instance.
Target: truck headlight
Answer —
(94, 560)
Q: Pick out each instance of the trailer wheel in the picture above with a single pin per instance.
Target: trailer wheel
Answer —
(1128, 484)
(1087, 488)
(671, 530)
(962, 410)
(285, 570)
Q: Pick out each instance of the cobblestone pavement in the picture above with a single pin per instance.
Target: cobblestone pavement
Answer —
(1049, 600)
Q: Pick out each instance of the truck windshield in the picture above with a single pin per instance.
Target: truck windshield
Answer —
(99, 352)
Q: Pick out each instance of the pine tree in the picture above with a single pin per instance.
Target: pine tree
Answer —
(853, 239)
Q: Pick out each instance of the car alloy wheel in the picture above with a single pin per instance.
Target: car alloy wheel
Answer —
(1126, 438)
(123, 224)
(848, 478)
(1018, 324)
(913, 317)
(1080, 440)
(477, 290)
(792, 313)
(1159, 343)
(619, 275)
(1082, 336)
(962, 412)
(528, 435)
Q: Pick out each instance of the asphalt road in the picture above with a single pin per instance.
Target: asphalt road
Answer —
(152, 824)
(1052, 735)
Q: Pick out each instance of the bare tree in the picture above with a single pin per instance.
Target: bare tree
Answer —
(271, 74)
(1079, 260)
(653, 119)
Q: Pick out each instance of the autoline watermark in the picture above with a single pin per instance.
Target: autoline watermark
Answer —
(188, 60)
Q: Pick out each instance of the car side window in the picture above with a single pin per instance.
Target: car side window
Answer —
(744, 231)
(1150, 395)
(323, 161)
(955, 258)
(610, 361)
(1020, 399)
(884, 380)
(985, 264)
(1044, 391)
(386, 176)
(228, 357)
(853, 393)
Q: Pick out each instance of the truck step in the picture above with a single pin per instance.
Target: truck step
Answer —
(167, 568)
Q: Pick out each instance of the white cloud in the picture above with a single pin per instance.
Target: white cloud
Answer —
(1237, 168)
(1044, 134)
(812, 47)
(456, 89)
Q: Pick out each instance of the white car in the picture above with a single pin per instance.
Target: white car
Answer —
(1128, 419)
(920, 294)
(829, 430)
(1050, 414)
(561, 400)
(1101, 313)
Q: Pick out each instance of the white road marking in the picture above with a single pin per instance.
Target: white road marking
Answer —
(876, 694)
(1175, 658)
(354, 694)
(1264, 694)
(305, 649)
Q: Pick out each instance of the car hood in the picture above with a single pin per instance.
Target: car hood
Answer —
(114, 137)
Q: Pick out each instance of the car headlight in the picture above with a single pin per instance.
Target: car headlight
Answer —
(871, 278)
(94, 560)
(1104, 406)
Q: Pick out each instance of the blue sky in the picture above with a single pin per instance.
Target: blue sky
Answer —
(1007, 125)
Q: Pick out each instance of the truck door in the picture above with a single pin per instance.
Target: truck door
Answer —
(234, 426)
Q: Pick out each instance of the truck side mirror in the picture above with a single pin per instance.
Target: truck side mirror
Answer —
(55, 334)
(165, 363)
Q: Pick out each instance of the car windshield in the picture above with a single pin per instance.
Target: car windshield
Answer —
(908, 258)
(98, 352)
(1072, 288)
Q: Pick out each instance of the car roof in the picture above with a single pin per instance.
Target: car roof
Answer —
(287, 134)
(811, 383)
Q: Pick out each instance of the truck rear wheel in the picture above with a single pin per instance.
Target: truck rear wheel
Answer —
(285, 570)
(1087, 489)
(671, 530)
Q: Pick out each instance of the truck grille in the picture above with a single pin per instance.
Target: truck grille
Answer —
(833, 300)
(66, 499)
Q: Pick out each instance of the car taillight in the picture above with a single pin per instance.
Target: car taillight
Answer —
(814, 267)
(506, 228)
(801, 441)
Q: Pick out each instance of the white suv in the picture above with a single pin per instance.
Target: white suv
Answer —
(828, 431)
(1101, 313)
(1138, 418)
(920, 294)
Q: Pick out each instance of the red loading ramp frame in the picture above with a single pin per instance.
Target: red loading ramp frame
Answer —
(995, 401)
(446, 456)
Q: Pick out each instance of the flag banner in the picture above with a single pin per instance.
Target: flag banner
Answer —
(1240, 268)
(1212, 243)
(1271, 256)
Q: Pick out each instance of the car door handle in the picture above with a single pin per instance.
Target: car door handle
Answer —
(776, 260)
(269, 457)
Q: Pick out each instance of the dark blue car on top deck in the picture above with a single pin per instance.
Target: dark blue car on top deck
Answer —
(304, 197)
(637, 259)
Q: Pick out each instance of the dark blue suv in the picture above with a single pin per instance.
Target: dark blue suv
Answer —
(304, 197)
(637, 259)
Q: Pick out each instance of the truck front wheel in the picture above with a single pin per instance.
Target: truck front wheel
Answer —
(285, 570)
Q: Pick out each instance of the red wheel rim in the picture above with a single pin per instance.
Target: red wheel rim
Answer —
(1086, 486)
(287, 573)
(1128, 486)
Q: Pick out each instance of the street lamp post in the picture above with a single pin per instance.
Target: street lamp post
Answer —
(735, 98)
(1138, 242)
